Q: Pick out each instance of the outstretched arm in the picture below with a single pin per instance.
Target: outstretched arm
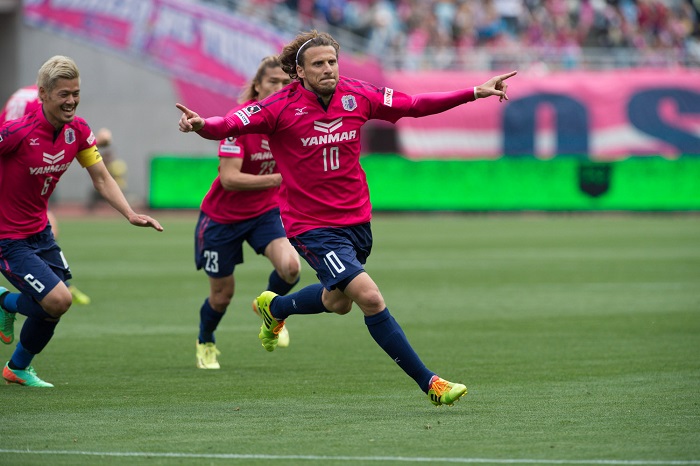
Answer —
(109, 189)
(438, 102)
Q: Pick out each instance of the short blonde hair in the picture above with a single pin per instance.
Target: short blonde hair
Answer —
(55, 68)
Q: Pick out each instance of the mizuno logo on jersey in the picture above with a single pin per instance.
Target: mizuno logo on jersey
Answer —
(52, 159)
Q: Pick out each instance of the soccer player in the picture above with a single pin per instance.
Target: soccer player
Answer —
(26, 100)
(35, 151)
(314, 128)
(242, 205)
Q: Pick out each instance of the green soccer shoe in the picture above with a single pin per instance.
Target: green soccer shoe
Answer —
(271, 327)
(26, 377)
(442, 392)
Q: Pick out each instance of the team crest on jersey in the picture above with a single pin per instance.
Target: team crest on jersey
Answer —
(251, 109)
(70, 136)
(349, 102)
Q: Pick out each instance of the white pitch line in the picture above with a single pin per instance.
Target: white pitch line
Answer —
(405, 459)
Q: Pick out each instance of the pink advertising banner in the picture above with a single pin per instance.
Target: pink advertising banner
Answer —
(194, 43)
(602, 115)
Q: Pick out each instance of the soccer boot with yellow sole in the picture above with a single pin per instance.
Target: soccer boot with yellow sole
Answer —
(7, 322)
(271, 328)
(78, 296)
(442, 392)
(26, 377)
(206, 356)
(283, 337)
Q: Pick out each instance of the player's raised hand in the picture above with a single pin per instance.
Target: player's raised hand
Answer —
(189, 121)
(495, 86)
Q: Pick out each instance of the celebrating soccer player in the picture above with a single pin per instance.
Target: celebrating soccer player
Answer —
(35, 151)
(242, 205)
(314, 128)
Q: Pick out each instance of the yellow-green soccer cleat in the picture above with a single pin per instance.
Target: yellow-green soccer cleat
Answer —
(206, 356)
(78, 296)
(270, 328)
(443, 392)
(283, 337)
(7, 322)
(26, 377)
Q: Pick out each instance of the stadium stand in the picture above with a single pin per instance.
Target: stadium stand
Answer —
(496, 34)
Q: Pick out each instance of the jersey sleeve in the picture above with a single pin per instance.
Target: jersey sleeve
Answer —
(231, 147)
(394, 105)
(9, 140)
(88, 154)
(249, 119)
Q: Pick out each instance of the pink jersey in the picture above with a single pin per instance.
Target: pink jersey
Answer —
(33, 156)
(317, 149)
(23, 101)
(235, 206)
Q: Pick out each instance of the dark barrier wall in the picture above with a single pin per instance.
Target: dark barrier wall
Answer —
(559, 184)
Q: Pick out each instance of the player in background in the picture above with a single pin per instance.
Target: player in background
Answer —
(314, 128)
(26, 100)
(35, 151)
(242, 205)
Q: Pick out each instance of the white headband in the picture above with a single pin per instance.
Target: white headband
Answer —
(302, 46)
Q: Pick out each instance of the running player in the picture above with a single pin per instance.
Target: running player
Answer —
(26, 100)
(314, 128)
(35, 151)
(242, 205)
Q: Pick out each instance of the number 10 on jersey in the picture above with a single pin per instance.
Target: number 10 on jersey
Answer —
(331, 157)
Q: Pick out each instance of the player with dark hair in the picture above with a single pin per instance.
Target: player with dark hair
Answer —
(35, 151)
(242, 205)
(314, 127)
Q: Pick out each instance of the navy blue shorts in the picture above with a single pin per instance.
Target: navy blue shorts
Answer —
(336, 254)
(34, 265)
(218, 247)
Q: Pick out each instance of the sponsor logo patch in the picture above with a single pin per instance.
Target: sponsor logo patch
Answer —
(91, 138)
(252, 109)
(328, 127)
(53, 158)
(243, 117)
(388, 96)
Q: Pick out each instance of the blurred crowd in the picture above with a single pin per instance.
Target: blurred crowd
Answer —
(446, 33)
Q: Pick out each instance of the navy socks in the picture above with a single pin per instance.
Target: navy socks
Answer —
(208, 321)
(277, 285)
(389, 335)
(305, 301)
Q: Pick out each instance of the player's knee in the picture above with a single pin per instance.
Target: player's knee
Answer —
(58, 306)
(371, 301)
(220, 301)
(339, 306)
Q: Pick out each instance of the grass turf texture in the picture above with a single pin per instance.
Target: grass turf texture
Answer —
(577, 336)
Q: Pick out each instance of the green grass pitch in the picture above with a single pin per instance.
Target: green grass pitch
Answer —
(578, 338)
